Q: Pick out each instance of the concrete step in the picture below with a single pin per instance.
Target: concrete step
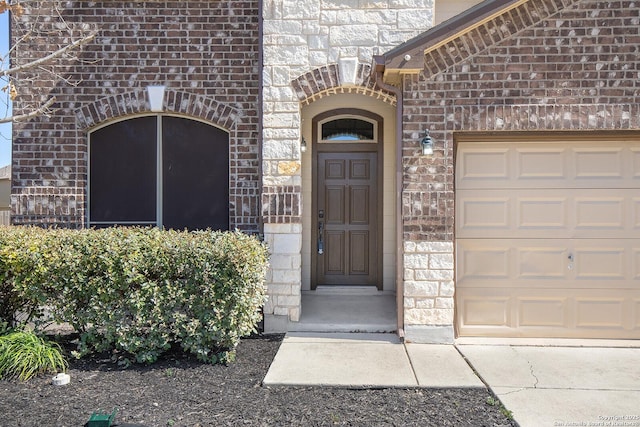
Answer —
(344, 312)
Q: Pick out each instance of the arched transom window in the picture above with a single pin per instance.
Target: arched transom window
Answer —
(347, 129)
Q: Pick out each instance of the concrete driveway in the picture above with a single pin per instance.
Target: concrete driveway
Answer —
(562, 385)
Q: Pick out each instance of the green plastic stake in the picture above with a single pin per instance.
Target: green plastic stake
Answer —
(102, 419)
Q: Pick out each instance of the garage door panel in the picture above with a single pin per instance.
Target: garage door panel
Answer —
(548, 263)
(542, 263)
(490, 164)
(600, 213)
(550, 164)
(541, 163)
(542, 213)
(600, 312)
(497, 213)
(603, 262)
(549, 213)
(498, 263)
(597, 163)
(533, 312)
(543, 311)
(484, 261)
(486, 310)
(482, 213)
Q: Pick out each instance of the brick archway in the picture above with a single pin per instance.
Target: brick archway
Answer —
(175, 102)
(327, 80)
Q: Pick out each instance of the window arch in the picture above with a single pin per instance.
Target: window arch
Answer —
(159, 170)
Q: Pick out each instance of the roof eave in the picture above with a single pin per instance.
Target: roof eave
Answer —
(409, 56)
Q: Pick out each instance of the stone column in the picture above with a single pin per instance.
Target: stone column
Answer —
(428, 291)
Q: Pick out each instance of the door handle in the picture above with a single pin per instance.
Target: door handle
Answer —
(320, 231)
(320, 235)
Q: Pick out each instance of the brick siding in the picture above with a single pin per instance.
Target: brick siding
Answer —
(576, 68)
(205, 53)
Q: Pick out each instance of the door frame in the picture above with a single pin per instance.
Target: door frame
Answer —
(347, 147)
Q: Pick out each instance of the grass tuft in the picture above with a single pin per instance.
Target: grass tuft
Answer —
(491, 401)
(23, 355)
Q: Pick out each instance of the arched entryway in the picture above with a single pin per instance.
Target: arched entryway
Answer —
(159, 170)
(348, 188)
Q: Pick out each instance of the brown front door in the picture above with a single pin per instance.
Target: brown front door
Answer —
(346, 222)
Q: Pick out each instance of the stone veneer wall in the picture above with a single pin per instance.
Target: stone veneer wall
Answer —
(570, 65)
(205, 53)
(313, 48)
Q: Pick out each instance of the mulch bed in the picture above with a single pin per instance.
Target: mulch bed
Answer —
(180, 391)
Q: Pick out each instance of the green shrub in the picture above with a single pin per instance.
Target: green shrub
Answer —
(141, 290)
(23, 354)
(20, 294)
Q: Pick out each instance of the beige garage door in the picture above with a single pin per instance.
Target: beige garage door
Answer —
(548, 236)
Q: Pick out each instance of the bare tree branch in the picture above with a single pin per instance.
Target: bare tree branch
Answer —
(49, 57)
(69, 40)
(42, 110)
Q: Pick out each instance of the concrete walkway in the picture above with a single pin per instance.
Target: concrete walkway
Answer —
(366, 360)
(546, 383)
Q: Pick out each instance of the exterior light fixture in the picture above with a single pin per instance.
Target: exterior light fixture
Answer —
(303, 145)
(427, 144)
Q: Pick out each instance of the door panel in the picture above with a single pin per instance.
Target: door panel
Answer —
(334, 207)
(347, 218)
(357, 252)
(359, 199)
(334, 253)
(360, 169)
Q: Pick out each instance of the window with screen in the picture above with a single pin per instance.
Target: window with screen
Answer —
(160, 171)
